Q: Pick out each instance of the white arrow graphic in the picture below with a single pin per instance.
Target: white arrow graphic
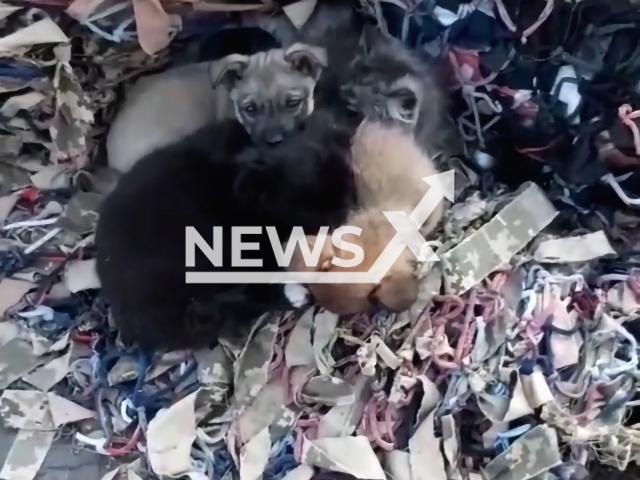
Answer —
(441, 186)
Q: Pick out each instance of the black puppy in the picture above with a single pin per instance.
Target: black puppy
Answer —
(213, 178)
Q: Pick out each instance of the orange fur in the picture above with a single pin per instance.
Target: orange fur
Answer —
(389, 167)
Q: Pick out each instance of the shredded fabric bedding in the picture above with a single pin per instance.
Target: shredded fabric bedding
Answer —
(520, 359)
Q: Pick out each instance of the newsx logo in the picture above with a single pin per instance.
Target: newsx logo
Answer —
(407, 235)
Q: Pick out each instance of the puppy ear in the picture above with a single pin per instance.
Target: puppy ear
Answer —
(297, 263)
(228, 70)
(324, 260)
(307, 59)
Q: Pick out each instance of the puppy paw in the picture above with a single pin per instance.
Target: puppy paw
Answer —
(297, 294)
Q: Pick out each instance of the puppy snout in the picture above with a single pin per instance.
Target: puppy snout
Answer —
(272, 133)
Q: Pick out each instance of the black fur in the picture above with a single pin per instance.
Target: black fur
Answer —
(212, 178)
(242, 40)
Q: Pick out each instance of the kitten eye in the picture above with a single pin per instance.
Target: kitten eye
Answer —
(293, 103)
(250, 108)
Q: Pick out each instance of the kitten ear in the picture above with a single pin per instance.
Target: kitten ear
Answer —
(406, 98)
(307, 59)
(228, 70)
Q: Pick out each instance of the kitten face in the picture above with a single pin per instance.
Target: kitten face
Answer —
(398, 101)
(387, 82)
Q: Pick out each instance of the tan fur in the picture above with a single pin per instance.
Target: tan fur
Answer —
(389, 168)
(398, 289)
(161, 109)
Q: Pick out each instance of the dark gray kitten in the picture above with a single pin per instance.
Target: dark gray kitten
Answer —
(371, 74)
(388, 82)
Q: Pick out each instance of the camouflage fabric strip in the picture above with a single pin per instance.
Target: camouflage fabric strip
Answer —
(499, 240)
(531, 455)
(26, 455)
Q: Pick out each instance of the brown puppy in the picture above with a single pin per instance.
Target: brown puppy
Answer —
(389, 168)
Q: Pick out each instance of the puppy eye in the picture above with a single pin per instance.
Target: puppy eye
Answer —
(250, 108)
(293, 103)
